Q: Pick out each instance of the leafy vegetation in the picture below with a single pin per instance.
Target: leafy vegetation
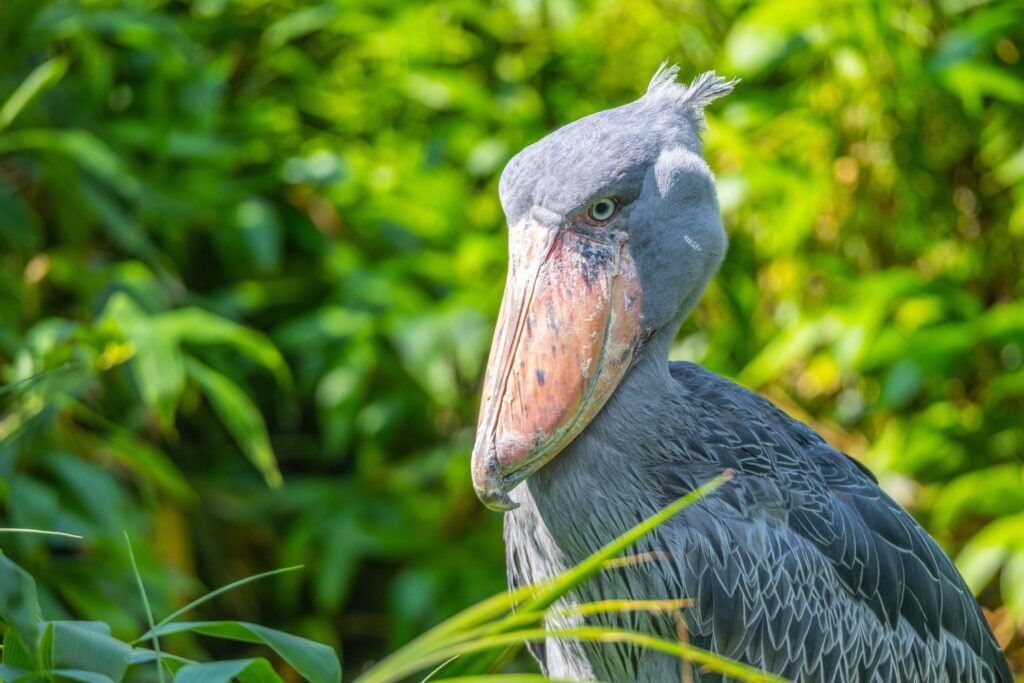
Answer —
(84, 651)
(251, 253)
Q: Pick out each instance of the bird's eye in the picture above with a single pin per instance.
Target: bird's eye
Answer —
(602, 210)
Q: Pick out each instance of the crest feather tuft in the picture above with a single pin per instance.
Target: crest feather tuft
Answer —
(664, 77)
(704, 89)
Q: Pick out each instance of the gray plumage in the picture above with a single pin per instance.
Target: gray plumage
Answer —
(800, 565)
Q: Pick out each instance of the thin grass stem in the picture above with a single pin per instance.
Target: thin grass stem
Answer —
(213, 594)
(149, 610)
(40, 532)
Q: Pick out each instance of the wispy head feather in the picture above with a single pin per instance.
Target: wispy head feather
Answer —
(700, 93)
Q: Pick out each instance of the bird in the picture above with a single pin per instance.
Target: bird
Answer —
(800, 565)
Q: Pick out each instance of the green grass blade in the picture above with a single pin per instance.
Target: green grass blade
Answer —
(593, 564)
(608, 606)
(40, 532)
(709, 660)
(145, 603)
(505, 678)
(213, 594)
(438, 668)
(690, 653)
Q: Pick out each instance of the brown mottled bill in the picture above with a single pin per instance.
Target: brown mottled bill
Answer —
(569, 323)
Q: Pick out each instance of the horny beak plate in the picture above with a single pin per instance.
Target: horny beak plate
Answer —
(569, 323)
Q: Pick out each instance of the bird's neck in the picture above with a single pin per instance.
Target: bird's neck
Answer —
(598, 486)
(646, 402)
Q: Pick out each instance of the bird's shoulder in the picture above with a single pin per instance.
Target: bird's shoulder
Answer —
(744, 422)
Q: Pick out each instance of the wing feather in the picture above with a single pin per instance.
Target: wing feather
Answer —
(839, 537)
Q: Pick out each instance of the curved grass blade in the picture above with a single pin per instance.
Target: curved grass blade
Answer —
(684, 651)
(213, 594)
(593, 564)
(505, 678)
(40, 532)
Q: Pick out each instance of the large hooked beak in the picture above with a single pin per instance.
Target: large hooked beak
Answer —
(569, 324)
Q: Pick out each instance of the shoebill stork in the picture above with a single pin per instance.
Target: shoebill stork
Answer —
(800, 565)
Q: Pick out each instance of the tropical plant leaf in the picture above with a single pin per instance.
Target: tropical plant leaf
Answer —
(240, 416)
(246, 670)
(87, 647)
(10, 673)
(15, 654)
(19, 607)
(316, 662)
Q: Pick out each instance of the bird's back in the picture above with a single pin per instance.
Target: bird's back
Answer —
(816, 573)
(800, 565)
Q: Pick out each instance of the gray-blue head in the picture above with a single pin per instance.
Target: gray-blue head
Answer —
(614, 232)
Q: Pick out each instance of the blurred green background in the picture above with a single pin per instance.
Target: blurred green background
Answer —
(252, 252)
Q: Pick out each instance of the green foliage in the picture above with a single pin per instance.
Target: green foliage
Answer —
(85, 651)
(251, 253)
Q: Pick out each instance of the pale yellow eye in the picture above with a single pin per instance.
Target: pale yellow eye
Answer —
(603, 209)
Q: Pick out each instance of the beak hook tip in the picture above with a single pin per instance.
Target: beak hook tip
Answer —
(491, 490)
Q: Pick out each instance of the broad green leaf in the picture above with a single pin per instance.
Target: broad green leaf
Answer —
(9, 673)
(260, 671)
(15, 654)
(19, 606)
(224, 671)
(79, 675)
(240, 416)
(316, 662)
(88, 646)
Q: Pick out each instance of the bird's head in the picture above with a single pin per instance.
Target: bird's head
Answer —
(614, 232)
